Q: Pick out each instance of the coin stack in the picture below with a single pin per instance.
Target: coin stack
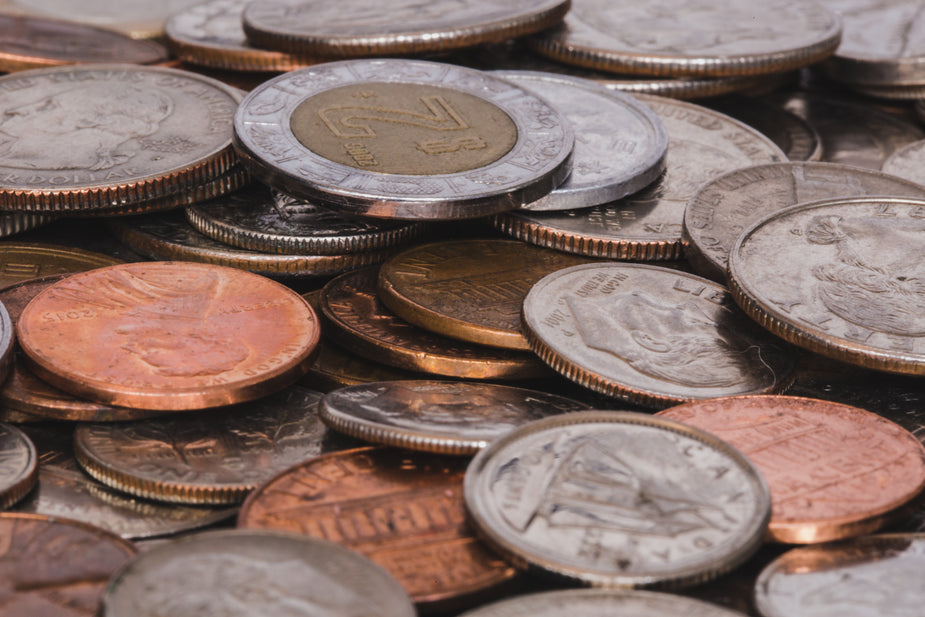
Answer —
(471, 289)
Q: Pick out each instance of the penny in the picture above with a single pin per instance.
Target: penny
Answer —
(25, 260)
(906, 162)
(360, 323)
(618, 499)
(872, 576)
(852, 294)
(834, 470)
(620, 143)
(18, 465)
(651, 335)
(365, 28)
(335, 367)
(403, 510)
(703, 144)
(790, 132)
(56, 567)
(725, 206)
(168, 335)
(369, 137)
(672, 37)
(470, 289)
(444, 417)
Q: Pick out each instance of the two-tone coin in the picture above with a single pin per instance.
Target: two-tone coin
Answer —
(18, 465)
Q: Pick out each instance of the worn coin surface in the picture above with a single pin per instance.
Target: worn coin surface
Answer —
(404, 510)
(651, 335)
(907, 162)
(618, 499)
(445, 417)
(251, 574)
(26, 260)
(842, 278)
(403, 139)
(18, 465)
(168, 335)
(792, 133)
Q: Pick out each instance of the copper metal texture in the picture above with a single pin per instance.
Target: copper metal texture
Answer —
(356, 28)
(835, 471)
(471, 289)
(7, 343)
(26, 260)
(405, 512)
(444, 417)
(335, 367)
(18, 465)
(841, 278)
(403, 139)
(675, 38)
(722, 208)
(907, 162)
(652, 336)
(55, 567)
(792, 133)
(618, 499)
(168, 335)
(702, 144)
(359, 322)
(873, 576)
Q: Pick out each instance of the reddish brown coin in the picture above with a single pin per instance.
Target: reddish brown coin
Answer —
(404, 510)
(168, 335)
(835, 471)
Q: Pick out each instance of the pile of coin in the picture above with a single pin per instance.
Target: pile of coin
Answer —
(467, 288)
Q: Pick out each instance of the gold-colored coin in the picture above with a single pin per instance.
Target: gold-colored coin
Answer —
(25, 260)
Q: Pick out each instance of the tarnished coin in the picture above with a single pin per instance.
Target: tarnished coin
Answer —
(405, 512)
(651, 335)
(470, 290)
(56, 567)
(674, 37)
(360, 322)
(618, 499)
(403, 139)
(18, 465)
(252, 574)
(168, 335)
(842, 278)
(366, 28)
(703, 144)
(790, 132)
(446, 417)
(872, 576)
(620, 143)
(7, 343)
(335, 367)
(102, 136)
(725, 206)
(834, 470)
(211, 458)
(26, 260)
(907, 162)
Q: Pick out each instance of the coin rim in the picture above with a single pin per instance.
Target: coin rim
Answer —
(21, 485)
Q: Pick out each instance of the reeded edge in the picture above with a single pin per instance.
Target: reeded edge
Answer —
(891, 93)
(524, 559)
(12, 223)
(875, 71)
(21, 486)
(691, 88)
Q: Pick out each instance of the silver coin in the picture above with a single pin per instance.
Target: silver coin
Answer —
(18, 465)
(403, 139)
(620, 143)
(618, 499)
(245, 573)
(6, 343)
(907, 162)
(12, 223)
(792, 133)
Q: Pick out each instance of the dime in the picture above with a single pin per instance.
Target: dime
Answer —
(841, 278)
(703, 144)
(405, 512)
(620, 143)
(651, 335)
(367, 28)
(618, 499)
(18, 465)
(907, 162)
(470, 290)
(6, 343)
(792, 133)
(834, 470)
(725, 206)
(25, 260)
(674, 37)
(403, 139)
(444, 417)
(168, 335)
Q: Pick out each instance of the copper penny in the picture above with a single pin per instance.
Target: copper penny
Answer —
(834, 470)
(169, 335)
(25, 260)
(404, 510)
(335, 367)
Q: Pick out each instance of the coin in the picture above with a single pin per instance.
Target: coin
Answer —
(6, 343)
(651, 335)
(845, 283)
(620, 143)
(792, 133)
(618, 499)
(168, 335)
(444, 417)
(470, 289)
(12, 223)
(906, 162)
(335, 367)
(369, 137)
(403, 510)
(365, 28)
(673, 37)
(725, 206)
(25, 260)
(18, 465)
